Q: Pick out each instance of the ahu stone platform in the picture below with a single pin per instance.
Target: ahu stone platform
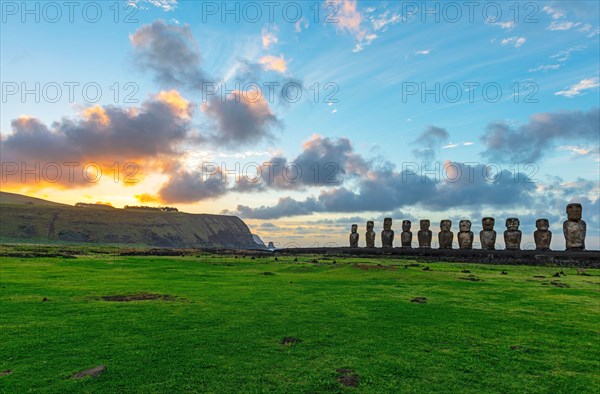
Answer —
(583, 259)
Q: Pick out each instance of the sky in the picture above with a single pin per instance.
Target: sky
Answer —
(305, 117)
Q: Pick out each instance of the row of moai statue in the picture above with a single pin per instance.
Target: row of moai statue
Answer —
(574, 229)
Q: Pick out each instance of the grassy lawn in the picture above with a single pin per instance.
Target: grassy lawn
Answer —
(221, 329)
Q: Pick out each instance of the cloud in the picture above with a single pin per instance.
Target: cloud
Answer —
(148, 135)
(581, 151)
(562, 26)
(323, 162)
(351, 20)
(146, 198)
(171, 53)
(385, 189)
(563, 56)
(553, 12)
(382, 21)
(430, 140)
(558, 58)
(269, 38)
(508, 25)
(517, 42)
(348, 17)
(578, 88)
(273, 63)
(531, 141)
(544, 68)
(243, 118)
(190, 187)
(300, 24)
(456, 145)
(286, 206)
(423, 52)
(165, 5)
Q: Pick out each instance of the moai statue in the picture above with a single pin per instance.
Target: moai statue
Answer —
(487, 236)
(542, 236)
(387, 234)
(445, 237)
(370, 234)
(574, 228)
(465, 235)
(424, 234)
(406, 236)
(512, 235)
(354, 236)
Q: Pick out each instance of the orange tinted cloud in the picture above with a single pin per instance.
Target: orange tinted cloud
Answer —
(146, 198)
(96, 114)
(178, 104)
(274, 63)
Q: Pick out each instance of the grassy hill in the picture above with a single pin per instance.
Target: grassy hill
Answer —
(27, 219)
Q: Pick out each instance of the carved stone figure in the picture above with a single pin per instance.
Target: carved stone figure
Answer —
(370, 234)
(465, 235)
(542, 236)
(512, 234)
(574, 228)
(387, 234)
(354, 236)
(424, 234)
(445, 237)
(406, 236)
(487, 236)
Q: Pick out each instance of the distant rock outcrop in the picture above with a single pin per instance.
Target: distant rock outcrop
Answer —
(258, 241)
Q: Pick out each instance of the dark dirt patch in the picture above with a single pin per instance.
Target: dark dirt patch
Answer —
(290, 341)
(426, 269)
(267, 273)
(45, 300)
(556, 275)
(347, 377)
(465, 271)
(138, 297)
(6, 372)
(366, 267)
(558, 284)
(471, 278)
(538, 276)
(419, 300)
(503, 273)
(93, 372)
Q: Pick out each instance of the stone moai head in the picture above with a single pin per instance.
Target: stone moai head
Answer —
(387, 224)
(542, 224)
(425, 223)
(406, 225)
(354, 228)
(574, 211)
(488, 223)
(512, 224)
(445, 225)
(464, 225)
(370, 225)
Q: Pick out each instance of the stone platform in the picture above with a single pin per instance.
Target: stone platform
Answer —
(584, 259)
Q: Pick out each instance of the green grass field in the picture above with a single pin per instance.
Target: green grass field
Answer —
(221, 329)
